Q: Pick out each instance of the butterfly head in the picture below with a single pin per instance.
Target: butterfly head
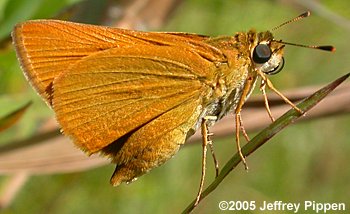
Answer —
(266, 53)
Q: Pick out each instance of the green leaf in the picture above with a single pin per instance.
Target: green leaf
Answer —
(16, 11)
(11, 118)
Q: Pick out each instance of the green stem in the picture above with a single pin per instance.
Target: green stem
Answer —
(261, 138)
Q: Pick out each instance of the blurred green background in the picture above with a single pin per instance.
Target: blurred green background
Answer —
(307, 161)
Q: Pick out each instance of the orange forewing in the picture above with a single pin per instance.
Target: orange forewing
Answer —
(46, 48)
(135, 96)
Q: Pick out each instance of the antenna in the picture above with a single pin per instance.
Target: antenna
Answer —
(322, 47)
(301, 16)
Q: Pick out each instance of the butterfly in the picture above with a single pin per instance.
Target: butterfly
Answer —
(136, 97)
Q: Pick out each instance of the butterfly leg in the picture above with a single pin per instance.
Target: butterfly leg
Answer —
(206, 141)
(266, 101)
(216, 162)
(244, 132)
(238, 120)
(270, 86)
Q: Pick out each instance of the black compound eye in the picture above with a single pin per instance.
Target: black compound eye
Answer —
(262, 53)
(277, 69)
